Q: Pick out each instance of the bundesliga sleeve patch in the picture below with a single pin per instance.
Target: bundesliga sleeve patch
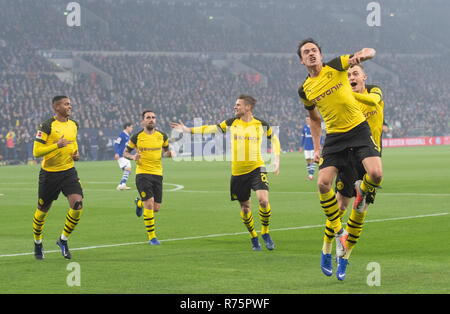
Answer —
(39, 135)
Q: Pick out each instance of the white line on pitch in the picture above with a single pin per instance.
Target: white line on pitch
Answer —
(222, 235)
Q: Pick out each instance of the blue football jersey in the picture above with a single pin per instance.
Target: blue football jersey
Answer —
(120, 143)
(307, 142)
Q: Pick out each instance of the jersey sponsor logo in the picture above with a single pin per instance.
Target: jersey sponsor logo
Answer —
(145, 149)
(326, 93)
(370, 113)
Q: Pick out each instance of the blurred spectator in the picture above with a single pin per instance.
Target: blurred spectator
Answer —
(102, 141)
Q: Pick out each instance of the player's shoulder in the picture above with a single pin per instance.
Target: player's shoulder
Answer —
(264, 123)
(373, 88)
(164, 135)
(230, 121)
(74, 122)
(135, 136)
(46, 125)
(339, 63)
(301, 89)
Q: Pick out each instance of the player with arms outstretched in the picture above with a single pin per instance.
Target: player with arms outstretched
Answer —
(248, 171)
(327, 90)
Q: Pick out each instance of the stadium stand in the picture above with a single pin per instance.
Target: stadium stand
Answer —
(155, 61)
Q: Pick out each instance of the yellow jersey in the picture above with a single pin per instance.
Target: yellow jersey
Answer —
(48, 134)
(372, 105)
(149, 146)
(246, 138)
(332, 94)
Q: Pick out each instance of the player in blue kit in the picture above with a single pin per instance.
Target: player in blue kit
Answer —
(119, 146)
(307, 147)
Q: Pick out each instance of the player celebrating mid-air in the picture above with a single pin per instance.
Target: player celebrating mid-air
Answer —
(327, 90)
(149, 144)
(124, 164)
(247, 167)
(307, 148)
(56, 141)
(370, 98)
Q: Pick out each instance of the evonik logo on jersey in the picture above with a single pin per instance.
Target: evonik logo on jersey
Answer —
(326, 93)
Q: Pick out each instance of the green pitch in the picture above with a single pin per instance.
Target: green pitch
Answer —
(205, 246)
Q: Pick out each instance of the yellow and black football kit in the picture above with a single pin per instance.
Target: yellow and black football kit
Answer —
(371, 103)
(246, 139)
(346, 126)
(58, 173)
(345, 123)
(149, 179)
(149, 167)
(248, 170)
(372, 106)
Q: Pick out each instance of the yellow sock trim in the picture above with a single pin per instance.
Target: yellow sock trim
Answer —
(330, 207)
(367, 184)
(38, 224)
(329, 233)
(354, 227)
(247, 219)
(327, 247)
(72, 219)
(264, 216)
(149, 221)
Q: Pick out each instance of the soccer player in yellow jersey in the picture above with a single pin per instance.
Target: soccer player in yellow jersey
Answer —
(56, 141)
(149, 144)
(247, 167)
(370, 98)
(327, 92)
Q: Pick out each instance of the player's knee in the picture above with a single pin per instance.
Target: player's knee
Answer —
(324, 186)
(128, 169)
(375, 175)
(264, 203)
(245, 208)
(77, 205)
(149, 204)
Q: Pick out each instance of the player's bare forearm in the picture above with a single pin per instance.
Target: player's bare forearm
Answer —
(362, 55)
(168, 152)
(127, 154)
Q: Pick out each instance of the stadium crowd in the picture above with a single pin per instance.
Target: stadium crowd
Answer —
(187, 87)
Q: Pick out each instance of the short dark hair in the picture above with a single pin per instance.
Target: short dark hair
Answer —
(126, 125)
(58, 98)
(304, 42)
(358, 65)
(248, 99)
(145, 111)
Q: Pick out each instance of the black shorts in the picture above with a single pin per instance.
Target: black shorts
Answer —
(52, 183)
(241, 186)
(348, 175)
(149, 185)
(338, 146)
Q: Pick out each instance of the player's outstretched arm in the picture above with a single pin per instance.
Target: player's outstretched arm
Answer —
(362, 55)
(204, 129)
(180, 127)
